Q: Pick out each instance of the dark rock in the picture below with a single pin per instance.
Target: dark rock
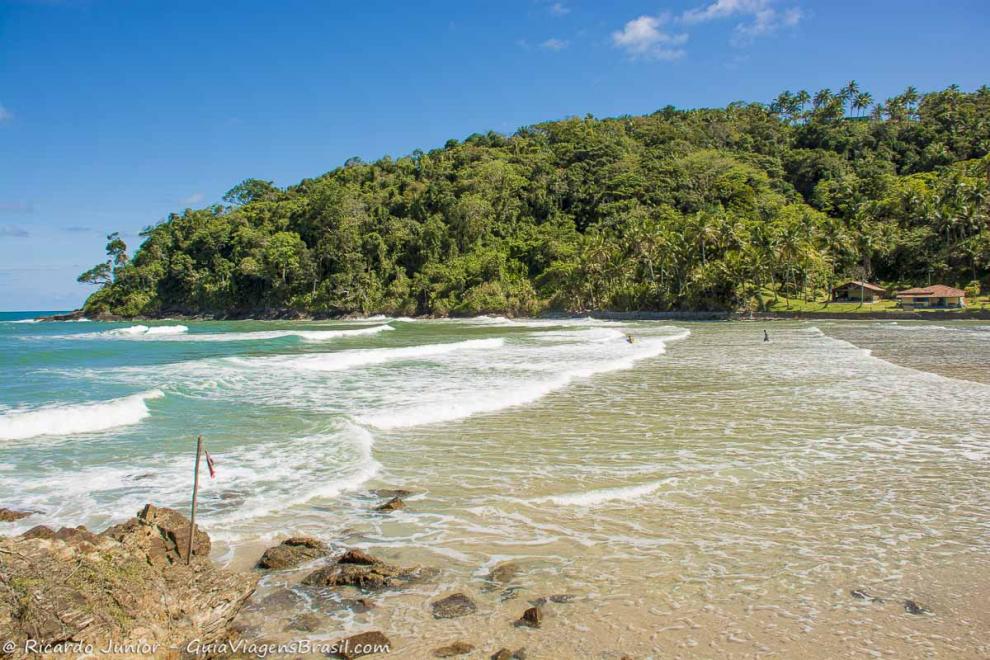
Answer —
(502, 575)
(371, 577)
(305, 623)
(292, 552)
(358, 557)
(39, 532)
(393, 504)
(911, 607)
(9, 515)
(79, 537)
(453, 606)
(451, 650)
(506, 654)
(283, 599)
(366, 643)
(75, 536)
(533, 618)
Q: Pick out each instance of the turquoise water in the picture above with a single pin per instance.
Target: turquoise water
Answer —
(691, 489)
(104, 416)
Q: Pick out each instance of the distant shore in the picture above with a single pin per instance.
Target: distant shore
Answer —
(296, 315)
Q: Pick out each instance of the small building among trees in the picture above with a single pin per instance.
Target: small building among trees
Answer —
(934, 296)
(857, 291)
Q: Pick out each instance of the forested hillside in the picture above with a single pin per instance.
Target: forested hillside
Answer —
(695, 209)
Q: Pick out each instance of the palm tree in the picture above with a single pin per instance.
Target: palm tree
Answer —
(849, 93)
(801, 99)
(862, 101)
(822, 98)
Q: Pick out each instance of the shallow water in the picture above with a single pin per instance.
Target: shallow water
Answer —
(699, 492)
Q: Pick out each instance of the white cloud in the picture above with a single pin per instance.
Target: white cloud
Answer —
(554, 44)
(646, 37)
(723, 9)
(5, 114)
(559, 9)
(764, 18)
(194, 198)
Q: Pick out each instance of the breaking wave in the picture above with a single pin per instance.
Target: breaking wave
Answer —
(364, 357)
(76, 418)
(181, 333)
(146, 331)
(459, 405)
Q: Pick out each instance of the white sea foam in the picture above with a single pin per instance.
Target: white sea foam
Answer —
(76, 418)
(501, 321)
(915, 327)
(444, 405)
(146, 331)
(24, 321)
(602, 495)
(317, 467)
(305, 335)
(342, 360)
(181, 333)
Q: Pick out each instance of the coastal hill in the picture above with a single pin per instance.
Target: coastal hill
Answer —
(707, 209)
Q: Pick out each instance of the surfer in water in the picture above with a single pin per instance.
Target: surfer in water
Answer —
(766, 337)
(630, 339)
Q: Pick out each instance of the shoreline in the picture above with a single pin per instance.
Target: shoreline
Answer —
(607, 315)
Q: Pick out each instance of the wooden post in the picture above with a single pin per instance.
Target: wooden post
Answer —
(192, 514)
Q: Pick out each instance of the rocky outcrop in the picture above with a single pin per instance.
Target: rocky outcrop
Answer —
(358, 569)
(162, 534)
(129, 584)
(453, 606)
(293, 552)
(10, 515)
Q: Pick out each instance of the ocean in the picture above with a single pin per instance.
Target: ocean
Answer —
(695, 492)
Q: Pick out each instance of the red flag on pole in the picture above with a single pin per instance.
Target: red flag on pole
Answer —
(209, 464)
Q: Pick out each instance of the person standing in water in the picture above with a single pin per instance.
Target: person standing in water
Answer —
(766, 337)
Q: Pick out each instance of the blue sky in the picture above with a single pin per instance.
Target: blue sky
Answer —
(115, 112)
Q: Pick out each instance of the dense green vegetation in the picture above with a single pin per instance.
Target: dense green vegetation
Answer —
(697, 209)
